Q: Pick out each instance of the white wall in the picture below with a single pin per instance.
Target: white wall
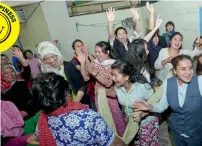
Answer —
(63, 28)
(14, 3)
(35, 29)
(185, 15)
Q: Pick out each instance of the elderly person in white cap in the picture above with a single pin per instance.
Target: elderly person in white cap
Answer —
(52, 61)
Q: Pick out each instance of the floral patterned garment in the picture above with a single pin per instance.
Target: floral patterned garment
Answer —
(117, 114)
(80, 128)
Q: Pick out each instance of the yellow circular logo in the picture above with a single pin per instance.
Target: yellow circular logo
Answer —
(9, 27)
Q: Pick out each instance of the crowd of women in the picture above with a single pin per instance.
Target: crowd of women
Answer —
(47, 100)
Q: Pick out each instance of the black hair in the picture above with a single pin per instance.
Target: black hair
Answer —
(74, 42)
(199, 66)
(194, 43)
(170, 23)
(119, 28)
(4, 55)
(106, 48)
(156, 33)
(173, 35)
(136, 54)
(127, 69)
(175, 61)
(25, 52)
(49, 91)
(18, 47)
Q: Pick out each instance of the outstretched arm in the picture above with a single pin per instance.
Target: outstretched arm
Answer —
(136, 19)
(110, 16)
(148, 37)
(151, 20)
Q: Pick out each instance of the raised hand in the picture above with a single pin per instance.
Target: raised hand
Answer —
(110, 14)
(17, 52)
(85, 49)
(150, 7)
(90, 68)
(135, 13)
(158, 22)
(80, 56)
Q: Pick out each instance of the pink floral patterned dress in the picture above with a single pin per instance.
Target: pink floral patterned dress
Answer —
(105, 72)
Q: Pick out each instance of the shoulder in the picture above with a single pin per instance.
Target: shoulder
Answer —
(35, 59)
(14, 58)
(200, 79)
(7, 104)
(69, 66)
(81, 114)
(142, 87)
(119, 91)
(164, 50)
(79, 118)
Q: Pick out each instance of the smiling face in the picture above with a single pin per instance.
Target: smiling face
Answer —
(51, 59)
(184, 71)
(9, 74)
(176, 42)
(100, 55)
(119, 79)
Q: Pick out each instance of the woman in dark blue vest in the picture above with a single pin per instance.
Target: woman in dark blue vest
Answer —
(183, 94)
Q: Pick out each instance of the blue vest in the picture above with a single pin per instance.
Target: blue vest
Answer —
(188, 118)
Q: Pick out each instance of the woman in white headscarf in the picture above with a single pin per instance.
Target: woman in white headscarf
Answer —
(52, 61)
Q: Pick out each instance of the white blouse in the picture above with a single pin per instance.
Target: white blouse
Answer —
(163, 54)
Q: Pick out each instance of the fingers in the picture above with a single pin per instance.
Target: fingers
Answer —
(136, 119)
(136, 116)
(32, 140)
(152, 6)
(110, 10)
(78, 52)
(147, 5)
(15, 50)
(158, 17)
(139, 102)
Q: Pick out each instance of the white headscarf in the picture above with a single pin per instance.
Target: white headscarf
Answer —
(45, 48)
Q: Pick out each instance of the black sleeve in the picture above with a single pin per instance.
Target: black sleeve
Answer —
(116, 47)
(162, 42)
(74, 77)
(26, 74)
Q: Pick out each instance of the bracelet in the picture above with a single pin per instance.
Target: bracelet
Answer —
(96, 74)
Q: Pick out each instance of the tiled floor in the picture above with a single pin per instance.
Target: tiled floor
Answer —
(164, 139)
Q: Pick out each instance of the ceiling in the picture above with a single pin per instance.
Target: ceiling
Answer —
(14, 3)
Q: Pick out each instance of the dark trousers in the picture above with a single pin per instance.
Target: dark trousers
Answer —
(185, 141)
